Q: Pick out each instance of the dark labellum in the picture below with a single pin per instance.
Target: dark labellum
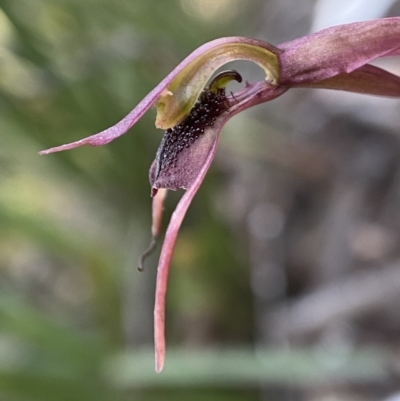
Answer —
(179, 157)
(210, 105)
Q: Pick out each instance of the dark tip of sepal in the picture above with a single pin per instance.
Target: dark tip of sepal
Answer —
(147, 253)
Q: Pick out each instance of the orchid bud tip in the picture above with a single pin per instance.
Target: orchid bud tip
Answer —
(147, 253)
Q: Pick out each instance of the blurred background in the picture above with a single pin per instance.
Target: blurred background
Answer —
(285, 283)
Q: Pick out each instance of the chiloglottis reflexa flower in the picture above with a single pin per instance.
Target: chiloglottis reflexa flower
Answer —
(335, 58)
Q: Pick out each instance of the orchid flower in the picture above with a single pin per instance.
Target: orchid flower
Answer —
(193, 117)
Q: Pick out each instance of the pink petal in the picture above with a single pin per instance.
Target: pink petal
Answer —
(109, 134)
(337, 50)
(367, 79)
